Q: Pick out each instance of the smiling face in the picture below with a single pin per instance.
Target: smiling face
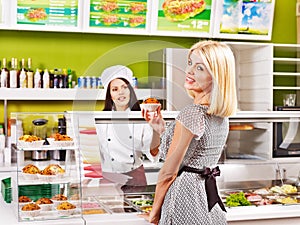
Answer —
(120, 94)
(198, 79)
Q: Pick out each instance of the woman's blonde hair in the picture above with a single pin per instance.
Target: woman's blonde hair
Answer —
(220, 62)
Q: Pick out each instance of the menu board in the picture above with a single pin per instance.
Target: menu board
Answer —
(62, 13)
(242, 19)
(186, 18)
(118, 14)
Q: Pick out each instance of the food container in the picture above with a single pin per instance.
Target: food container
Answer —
(94, 211)
(67, 212)
(50, 178)
(151, 107)
(32, 213)
(120, 206)
(33, 144)
(29, 176)
(124, 210)
(46, 207)
(60, 144)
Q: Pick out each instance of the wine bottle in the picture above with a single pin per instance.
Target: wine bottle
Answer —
(18, 72)
(23, 77)
(37, 79)
(13, 76)
(29, 74)
(4, 74)
(46, 79)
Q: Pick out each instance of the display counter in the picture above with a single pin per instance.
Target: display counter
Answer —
(245, 215)
(237, 174)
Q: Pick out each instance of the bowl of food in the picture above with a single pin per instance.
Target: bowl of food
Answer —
(60, 140)
(51, 173)
(30, 172)
(31, 210)
(58, 198)
(30, 141)
(66, 209)
(46, 204)
(150, 104)
(23, 200)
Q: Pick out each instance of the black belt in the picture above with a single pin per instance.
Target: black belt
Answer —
(210, 184)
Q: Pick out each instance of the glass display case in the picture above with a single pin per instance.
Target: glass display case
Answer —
(248, 165)
(48, 167)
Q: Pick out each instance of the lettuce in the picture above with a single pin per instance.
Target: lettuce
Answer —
(237, 199)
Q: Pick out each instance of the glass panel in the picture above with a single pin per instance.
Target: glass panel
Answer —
(48, 165)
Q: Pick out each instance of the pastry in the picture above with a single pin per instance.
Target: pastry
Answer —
(24, 199)
(29, 138)
(31, 169)
(30, 207)
(65, 206)
(42, 201)
(52, 169)
(59, 197)
(241, 127)
(61, 137)
(150, 101)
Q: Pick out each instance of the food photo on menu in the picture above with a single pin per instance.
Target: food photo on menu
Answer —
(118, 14)
(191, 15)
(47, 13)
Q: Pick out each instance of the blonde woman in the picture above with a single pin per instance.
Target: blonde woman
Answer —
(186, 191)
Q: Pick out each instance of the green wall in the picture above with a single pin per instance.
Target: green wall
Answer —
(89, 54)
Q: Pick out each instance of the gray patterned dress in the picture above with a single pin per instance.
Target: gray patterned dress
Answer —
(186, 202)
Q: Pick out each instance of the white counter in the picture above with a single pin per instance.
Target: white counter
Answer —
(246, 215)
(269, 214)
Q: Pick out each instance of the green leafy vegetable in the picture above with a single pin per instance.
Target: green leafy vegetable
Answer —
(237, 199)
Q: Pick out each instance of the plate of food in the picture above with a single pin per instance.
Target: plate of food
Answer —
(31, 210)
(59, 198)
(66, 209)
(30, 172)
(30, 141)
(60, 140)
(46, 204)
(23, 200)
(52, 173)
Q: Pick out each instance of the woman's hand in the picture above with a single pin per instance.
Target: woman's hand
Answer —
(147, 217)
(155, 120)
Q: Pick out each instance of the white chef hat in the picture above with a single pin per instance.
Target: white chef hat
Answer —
(117, 71)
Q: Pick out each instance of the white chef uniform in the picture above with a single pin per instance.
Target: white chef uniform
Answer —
(122, 146)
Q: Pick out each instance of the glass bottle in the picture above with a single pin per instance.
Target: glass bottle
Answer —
(13, 74)
(29, 74)
(23, 77)
(46, 79)
(4, 74)
(37, 79)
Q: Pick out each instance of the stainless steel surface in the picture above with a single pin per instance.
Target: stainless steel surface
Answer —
(39, 155)
(251, 185)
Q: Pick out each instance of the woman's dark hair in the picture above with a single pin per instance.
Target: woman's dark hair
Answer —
(134, 105)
